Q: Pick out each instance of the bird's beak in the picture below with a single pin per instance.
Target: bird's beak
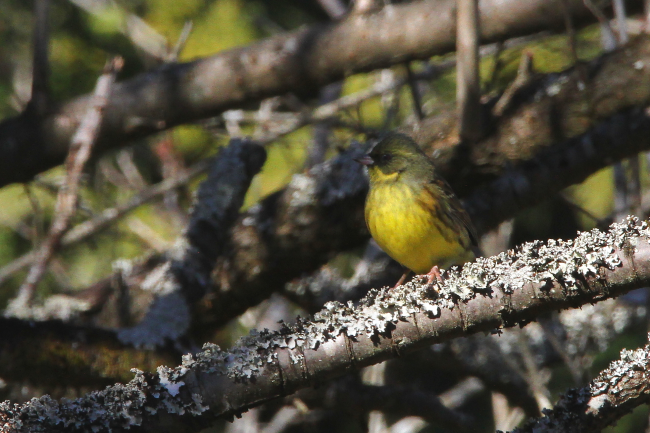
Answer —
(365, 160)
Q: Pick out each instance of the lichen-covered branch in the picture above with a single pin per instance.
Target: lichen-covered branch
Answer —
(274, 244)
(300, 62)
(185, 276)
(563, 130)
(510, 289)
(617, 390)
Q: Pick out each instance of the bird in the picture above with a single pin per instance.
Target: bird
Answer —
(412, 212)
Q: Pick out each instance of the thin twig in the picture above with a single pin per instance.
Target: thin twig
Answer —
(524, 76)
(634, 186)
(570, 30)
(621, 21)
(141, 34)
(415, 92)
(322, 130)
(498, 64)
(66, 204)
(108, 216)
(41, 67)
(180, 43)
(621, 194)
(608, 37)
(468, 84)
(461, 393)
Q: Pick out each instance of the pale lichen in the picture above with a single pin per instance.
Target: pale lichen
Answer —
(564, 262)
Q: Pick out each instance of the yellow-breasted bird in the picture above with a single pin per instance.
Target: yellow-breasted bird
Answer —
(412, 212)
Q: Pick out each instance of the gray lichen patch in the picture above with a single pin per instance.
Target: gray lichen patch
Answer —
(616, 391)
(563, 261)
(631, 361)
(174, 390)
(534, 262)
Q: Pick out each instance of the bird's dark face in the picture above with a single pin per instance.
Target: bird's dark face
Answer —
(393, 155)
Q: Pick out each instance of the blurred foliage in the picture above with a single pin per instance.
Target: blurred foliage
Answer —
(81, 41)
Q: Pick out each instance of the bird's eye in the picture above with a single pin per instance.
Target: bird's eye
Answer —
(385, 157)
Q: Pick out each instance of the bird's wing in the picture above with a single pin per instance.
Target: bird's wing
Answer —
(451, 210)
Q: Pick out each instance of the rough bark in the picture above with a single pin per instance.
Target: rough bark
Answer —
(614, 393)
(300, 62)
(510, 289)
(286, 237)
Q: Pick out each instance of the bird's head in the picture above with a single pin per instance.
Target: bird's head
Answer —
(393, 155)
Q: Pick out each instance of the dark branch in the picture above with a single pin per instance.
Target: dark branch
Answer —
(299, 62)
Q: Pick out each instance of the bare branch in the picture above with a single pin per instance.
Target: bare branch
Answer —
(503, 291)
(105, 218)
(621, 21)
(39, 102)
(468, 81)
(415, 92)
(301, 61)
(66, 204)
(185, 276)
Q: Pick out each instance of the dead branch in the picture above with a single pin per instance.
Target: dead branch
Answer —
(66, 203)
(299, 62)
(105, 218)
(40, 99)
(185, 276)
(506, 290)
(468, 81)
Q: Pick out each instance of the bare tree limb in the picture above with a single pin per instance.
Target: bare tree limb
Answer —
(300, 62)
(66, 204)
(39, 102)
(621, 21)
(468, 81)
(105, 218)
(506, 290)
(185, 276)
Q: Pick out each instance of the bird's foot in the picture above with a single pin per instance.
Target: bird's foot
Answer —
(402, 279)
(431, 276)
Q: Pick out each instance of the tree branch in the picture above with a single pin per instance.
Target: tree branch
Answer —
(614, 393)
(468, 80)
(66, 202)
(510, 289)
(299, 62)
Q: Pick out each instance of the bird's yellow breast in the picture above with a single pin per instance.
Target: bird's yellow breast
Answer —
(408, 231)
